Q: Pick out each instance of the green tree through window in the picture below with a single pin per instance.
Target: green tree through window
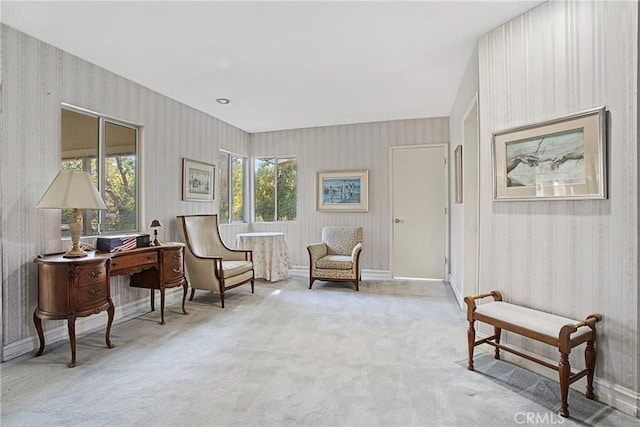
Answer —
(275, 188)
(232, 187)
(108, 149)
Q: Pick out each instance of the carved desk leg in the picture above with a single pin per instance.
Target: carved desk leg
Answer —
(185, 287)
(71, 324)
(38, 322)
(110, 312)
(162, 304)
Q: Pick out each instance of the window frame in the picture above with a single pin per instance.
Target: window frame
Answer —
(245, 187)
(103, 119)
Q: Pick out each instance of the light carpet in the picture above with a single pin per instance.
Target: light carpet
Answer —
(393, 354)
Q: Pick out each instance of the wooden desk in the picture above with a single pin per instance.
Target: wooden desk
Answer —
(69, 288)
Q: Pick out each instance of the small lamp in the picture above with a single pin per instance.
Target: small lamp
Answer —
(155, 224)
(72, 190)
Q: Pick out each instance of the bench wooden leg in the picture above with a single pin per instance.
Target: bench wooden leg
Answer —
(497, 332)
(471, 341)
(565, 375)
(590, 362)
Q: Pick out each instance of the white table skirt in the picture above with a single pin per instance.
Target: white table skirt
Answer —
(270, 255)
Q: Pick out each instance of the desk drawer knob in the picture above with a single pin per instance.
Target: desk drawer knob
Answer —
(177, 257)
(176, 270)
(95, 291)
(95, 274)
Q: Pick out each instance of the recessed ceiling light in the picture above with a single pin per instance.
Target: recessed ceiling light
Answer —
(223, 101)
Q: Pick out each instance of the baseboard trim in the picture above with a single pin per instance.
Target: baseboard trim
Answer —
(302, 270)
(456, 292)
(614, 395)
(87, 324)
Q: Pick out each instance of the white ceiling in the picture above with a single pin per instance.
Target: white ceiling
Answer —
(284, 65)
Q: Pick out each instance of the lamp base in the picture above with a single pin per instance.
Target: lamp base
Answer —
(74, 228)
(75, 252)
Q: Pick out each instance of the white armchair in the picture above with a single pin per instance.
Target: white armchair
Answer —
(337, 257)
(210, 264)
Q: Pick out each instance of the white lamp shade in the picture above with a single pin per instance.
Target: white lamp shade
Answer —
(69, 190)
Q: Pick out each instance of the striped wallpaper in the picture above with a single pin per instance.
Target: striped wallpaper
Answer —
(572, 258)
(345, 147)
(569, 257)
(36, 79)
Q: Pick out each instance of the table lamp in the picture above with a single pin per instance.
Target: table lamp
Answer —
(155, 224)
(72, 190)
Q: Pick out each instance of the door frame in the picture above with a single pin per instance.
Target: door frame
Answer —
(473, 210)
(445, 170)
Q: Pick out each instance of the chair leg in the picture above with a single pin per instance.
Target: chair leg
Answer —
(355, 282)
(222, 298)
(471, 342)
(564, 370)
(311, 280)
(497, 332)
(193, 292)
(590, 361)
(252, 285)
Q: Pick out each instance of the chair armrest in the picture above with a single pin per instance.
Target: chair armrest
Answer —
(317, 250)
(356, 252)
(238, 255)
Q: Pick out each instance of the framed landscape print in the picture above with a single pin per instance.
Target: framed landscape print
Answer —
(342, 191)
(558, 159)
(197, 181)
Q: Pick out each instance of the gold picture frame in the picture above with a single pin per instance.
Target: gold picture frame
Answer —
(342, 191)
(559, 159)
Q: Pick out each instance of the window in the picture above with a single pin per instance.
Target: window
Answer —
(275, 185)
(232, 174)
(107, 149)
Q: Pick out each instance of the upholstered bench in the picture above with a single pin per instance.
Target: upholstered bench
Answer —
(557, 331)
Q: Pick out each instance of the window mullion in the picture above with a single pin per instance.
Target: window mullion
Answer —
(100, 170)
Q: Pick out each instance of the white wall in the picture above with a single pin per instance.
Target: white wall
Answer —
(466, 94)
(36, 78)
(345, 147)
(572, 258)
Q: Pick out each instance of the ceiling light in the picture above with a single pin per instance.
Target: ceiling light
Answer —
(223, 101)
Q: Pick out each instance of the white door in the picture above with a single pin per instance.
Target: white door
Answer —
(418, 211)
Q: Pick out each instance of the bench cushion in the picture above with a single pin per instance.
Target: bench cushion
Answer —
(534, 320)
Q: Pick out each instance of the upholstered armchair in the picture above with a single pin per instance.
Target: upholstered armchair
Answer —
(337, 257)
(210, 264)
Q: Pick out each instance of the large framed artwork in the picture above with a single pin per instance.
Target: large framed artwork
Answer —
(197, 181)
(342, 191)
(558, 159)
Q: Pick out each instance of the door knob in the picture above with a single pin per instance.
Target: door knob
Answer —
(398, 221)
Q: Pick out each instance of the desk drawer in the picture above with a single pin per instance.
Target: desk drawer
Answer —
(91, 275)
(88, 295)
(173, 265)
(137, 261)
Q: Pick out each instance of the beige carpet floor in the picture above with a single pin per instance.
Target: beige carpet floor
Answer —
(393, 354)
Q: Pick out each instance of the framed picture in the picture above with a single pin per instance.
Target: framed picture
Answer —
(457, 162)
(342, 191)
(197, 181)
(558, 159)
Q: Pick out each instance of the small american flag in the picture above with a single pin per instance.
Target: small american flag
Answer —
(128, 243)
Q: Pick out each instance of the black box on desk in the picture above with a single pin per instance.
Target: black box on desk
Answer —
(124, 242)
